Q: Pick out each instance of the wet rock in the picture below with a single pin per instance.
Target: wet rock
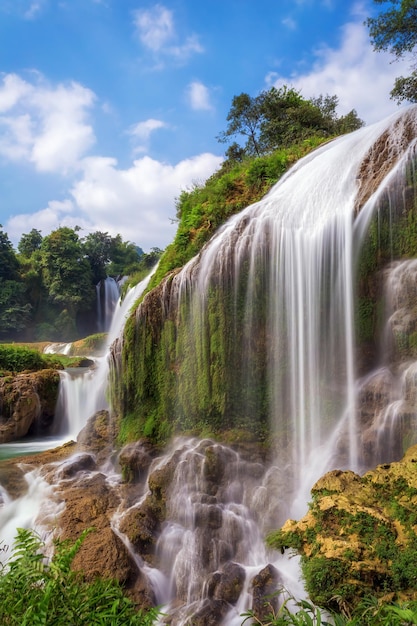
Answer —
(98, 435)
(27, 401)
(210, 613)
(104, 554)
(264, 592)
(12, 471)
(227, 585)
(141, 525)
(78, 463)
(135, 459)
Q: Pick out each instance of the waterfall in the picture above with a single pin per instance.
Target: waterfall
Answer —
(275, 288)
(108, 293)
(259, 333)
(83, 391)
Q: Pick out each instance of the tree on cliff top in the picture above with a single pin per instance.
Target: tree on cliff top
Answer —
(395, 30)
(279, 118)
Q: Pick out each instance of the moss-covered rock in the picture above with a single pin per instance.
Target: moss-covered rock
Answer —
(359, 536)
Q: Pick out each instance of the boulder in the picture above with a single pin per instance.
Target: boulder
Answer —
(27, 402)
(265, 599)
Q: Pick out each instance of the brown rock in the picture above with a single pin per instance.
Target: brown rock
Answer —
(27, 400)
(264, 592)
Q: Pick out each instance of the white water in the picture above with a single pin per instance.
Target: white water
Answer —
(83, 391)
(108, 293)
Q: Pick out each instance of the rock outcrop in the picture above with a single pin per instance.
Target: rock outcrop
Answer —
(27, 402)
(359, 536)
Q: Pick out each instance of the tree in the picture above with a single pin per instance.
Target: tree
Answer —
(30, 242)
(67, 275)
(395, 30)
(98, 249)
(124, 257)
(9, 265)
(277, 118)
(245, 117)
(15, 311)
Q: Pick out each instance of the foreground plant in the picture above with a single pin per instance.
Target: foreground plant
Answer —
(36, 591)
(369, 612)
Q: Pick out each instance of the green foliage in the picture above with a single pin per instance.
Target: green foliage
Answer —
(304, 614)
(19, 358)
(15, 311)
(8, 262)
(36, 591)
(395, 30)
(278, 118)
(66, 272)
(30, 242)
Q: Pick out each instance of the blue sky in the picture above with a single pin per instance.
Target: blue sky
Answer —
(108, 108)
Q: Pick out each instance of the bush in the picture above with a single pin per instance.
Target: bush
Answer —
(19, 358)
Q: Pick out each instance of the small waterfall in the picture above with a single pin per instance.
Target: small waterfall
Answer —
(389, 394)
(83, 391)
(108, 293)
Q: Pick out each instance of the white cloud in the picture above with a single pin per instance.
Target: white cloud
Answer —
(360, 77)
(33, 10)
(155, 26)
(142, 131)
(289, 23)
(142, 196)
(45, 125)
(12, 90)
(156, 30)
(56, 214)
(199, 96)
(138, 202)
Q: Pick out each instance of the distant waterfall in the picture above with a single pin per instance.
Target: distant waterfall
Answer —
(108, 293)
(83, 391)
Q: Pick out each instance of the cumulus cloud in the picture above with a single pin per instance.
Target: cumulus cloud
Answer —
(142, 131)
(142, 196)
(137, 202)
(156, 30)
(360, 77)
(56, 214)
(43, 124)
(199, 96)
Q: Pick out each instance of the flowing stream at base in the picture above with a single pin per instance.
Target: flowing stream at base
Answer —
(210, 556)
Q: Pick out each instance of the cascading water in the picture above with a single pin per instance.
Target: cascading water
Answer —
(285, 271)
(108, 293)
(83, 392)
(81, 395)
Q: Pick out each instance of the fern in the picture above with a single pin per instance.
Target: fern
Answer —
(36, 591)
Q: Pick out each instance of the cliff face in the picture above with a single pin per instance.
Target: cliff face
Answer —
(27, 401)
(359, 537)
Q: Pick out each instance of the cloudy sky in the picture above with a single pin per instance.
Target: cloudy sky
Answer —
(108, 108)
